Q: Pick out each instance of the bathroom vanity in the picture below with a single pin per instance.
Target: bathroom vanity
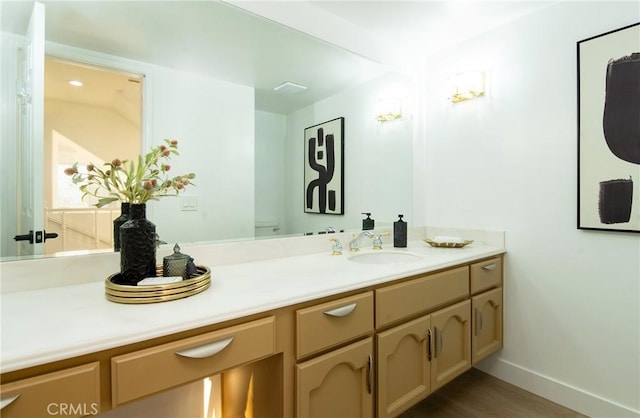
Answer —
(300, 335)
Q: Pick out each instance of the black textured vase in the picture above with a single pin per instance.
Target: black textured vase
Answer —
(117, 223)
(137, 246)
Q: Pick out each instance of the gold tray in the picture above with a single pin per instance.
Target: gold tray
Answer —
(121, 293)
(448, 244)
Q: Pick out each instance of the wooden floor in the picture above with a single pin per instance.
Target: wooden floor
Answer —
(478, 395)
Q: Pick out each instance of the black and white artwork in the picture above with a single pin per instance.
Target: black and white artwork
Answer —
(324, 168)
(609, 130)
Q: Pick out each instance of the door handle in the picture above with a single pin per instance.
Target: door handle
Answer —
(39, 237)
(49, 235)
(479, 321)
(438, 342)
(25, 237)
(369, 374)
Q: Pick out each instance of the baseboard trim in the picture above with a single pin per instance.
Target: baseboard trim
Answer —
(559, 392)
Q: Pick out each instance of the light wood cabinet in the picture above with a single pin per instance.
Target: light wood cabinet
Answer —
(144, 372)
(396, 302)
(486, 324)
(404, 366)
(72, 392)
(420, 356)
(402, 341)
(451, 328)
(327, 324)
(337, 384)
(486, 275)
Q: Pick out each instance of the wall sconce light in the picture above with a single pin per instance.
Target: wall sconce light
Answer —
(388, 109)
(468, 85)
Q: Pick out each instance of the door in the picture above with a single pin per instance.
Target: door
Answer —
(487, 324)
(404, 368)
(451, 329)
(30, 138)
(337, 384)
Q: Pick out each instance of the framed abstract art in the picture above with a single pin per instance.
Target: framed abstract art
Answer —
(609, 130)
(324, 168)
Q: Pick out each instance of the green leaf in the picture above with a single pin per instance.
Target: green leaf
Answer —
(105, 201)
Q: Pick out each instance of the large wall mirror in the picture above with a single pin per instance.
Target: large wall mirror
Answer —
(204, 73)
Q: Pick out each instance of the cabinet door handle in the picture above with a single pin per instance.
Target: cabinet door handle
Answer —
(4, 402)
(489, 267)
(438, 335)
(341, 311)
(479, 321)
(369, 374)
(429, 342)
(206, 350)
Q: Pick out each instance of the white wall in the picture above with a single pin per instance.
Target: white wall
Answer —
(214, 123)
(271, 131)
(508, 161)
(378, 157)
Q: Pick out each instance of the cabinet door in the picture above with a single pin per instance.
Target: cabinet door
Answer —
(337, 384)
(487, 324)
(404, 367)
(451, 329)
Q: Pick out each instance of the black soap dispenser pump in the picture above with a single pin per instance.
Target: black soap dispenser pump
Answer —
(368, 223)
(400, 233)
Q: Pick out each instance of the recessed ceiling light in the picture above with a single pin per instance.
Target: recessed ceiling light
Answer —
(289, 88)
(76, 83)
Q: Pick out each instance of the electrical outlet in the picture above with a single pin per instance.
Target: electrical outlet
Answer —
(188, 203)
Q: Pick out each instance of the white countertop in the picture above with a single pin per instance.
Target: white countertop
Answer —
(45, 325)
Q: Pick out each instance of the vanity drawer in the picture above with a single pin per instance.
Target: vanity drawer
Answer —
(73, 392)
(331, 323)
(420, 295)
(154, 369)
(486, 275)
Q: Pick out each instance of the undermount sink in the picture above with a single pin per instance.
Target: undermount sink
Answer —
(384, 258)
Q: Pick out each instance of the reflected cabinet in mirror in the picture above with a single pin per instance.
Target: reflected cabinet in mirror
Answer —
(203, 73)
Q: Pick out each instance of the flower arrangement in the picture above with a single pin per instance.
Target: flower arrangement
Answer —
(131, 181)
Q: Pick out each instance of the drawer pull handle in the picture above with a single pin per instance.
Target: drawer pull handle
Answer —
(479, 321)
(438, 335)
(489, 267)
(206, 350)
(342, 311)
(429, 342)
(4, 402)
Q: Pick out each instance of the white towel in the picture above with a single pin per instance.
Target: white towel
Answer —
(445, 239)
(150, 281)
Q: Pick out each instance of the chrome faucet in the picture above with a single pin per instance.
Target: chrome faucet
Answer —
(354, 245)
(377, 240)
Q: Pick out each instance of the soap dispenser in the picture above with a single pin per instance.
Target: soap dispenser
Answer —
(400, 233)
(368, 223)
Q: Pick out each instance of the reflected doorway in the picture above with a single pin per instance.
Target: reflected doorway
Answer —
(91, 115)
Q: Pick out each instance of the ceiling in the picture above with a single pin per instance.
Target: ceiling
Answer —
(225, 42)
(430, 25)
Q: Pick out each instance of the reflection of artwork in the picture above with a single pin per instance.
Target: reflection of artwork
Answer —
(609, 131)
(323, 168)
